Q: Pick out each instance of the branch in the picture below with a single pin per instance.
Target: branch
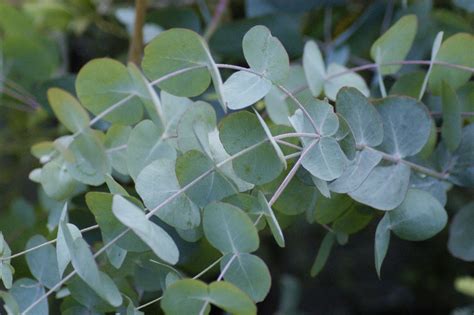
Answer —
(211, 28)
(87, 229)
(136, 43)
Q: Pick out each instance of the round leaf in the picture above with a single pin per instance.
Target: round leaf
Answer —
(103, 83)
(229, 229)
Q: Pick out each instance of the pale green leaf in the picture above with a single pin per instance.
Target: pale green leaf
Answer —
(158, 182)
(229, 229)
(323, 253)
(265, 54)
(271, 220)
(56, 180)
(214, 186)
(395, 43)
(325, 160)
(278, 105)
(186, 296)
(115, 143)
(419, 217)
(200, 113)
(68, 110)
(362, 117)
(323, 116)
(174, 50)
(154, 236)
(91, 163)
(231, 299)
(451, 131)
(100, 204)
(243, 89)
(356, 171)
(43, 262)
(145, 145)
(453, 51)
(314, 67)
(25, 292)
(385, 187)
(86, 268)
(406, 123)
(103, 83)
(249, 273)
(461, 234)
(240, 131)
(382, 240)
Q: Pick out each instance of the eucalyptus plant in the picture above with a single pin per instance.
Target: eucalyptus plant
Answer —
(179, 180)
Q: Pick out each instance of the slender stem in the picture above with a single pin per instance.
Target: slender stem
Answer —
(414, 166)
(291, 174)
(403, 62)
(205, 270)
(175, 73)
(211, 28)
(111, 109)
(136, 42)
(149, 303)
(289, 144)
(72, 273)
(226, 267)
(279, 86)
(87, 229)
(292, 155)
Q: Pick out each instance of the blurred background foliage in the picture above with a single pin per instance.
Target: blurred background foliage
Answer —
(43, 43)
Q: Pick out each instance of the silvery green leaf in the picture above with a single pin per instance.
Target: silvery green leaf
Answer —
(158, 182)
(229, 229)
(382, 240)
(453, 50)
(174, 50)
(323, 253)
(325, 160)
(279, 105)
(419, 217)
(214, 186)
(115, 143)
(25, 292)
(461, 234)
(103, 83)
(145, 145)
(265, 54)
(406, 123)
(56, 180)
(451, 130)
(86, 267)
(271, 220)
(395, 43)
(243, 89)
(356, 171)
(362, 117)
(68, 110)
(159, 241)
(43, 262)
(249, 273)
(323, 116)
(241, 131)
(91, 162)
(385, 187)
(202, 113)
(314, 67)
